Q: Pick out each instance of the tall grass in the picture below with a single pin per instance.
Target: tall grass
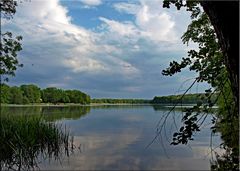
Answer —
(24, 138)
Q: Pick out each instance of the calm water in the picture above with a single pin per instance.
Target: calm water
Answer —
(115, 138)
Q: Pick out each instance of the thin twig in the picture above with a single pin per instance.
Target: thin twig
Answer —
(167, 115)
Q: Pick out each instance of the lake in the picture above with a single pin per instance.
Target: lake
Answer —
(115, 137)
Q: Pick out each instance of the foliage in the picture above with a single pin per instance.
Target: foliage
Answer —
(171, 99)
(9, 46)
(54, 95)
(31, 93)
(178, 99)
(8, 8)
(208, 59)
(16, 95)
(228, 126)
(5, 91)
(76, 96)
(208, 62)
(120, 101)
(64, 97)
(51, 95)
(228, 161)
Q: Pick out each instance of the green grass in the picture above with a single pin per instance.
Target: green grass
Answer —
(24, 138)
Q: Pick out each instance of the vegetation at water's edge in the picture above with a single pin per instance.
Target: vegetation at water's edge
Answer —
(179, 99)
(24, 139)
(172, 99)
(32, 94)
(26, 94)
(120, 101)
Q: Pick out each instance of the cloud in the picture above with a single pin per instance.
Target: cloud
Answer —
(85, 65)
(159, 27)
(118, 58)
(91, 3)
(50, 35)
(123, 29)
(150, 19)
(130, 8)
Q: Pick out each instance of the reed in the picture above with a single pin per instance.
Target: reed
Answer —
(24, 138)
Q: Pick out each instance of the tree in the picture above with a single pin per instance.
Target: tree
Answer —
(209, 62)
(31, 92)
(216, 61)
(76, 96)
(16, 95)
(8, 8)
(9, 46)
(224, 17)
(64, 97)
(5, 93)
(51, 95)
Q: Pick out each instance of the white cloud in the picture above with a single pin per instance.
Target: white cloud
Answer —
(129, 8)
(50, 11)
(51, 25)
(91, 2)
(123, 29)
(85, 65)
(157, 26)
(150, 20)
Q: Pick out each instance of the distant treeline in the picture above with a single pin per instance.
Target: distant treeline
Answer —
(172, 99)
(186, 99)
(26, 94)
(120, 101)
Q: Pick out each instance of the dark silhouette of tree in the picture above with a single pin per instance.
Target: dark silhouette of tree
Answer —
(224, 17)
(9, 46)
(216, 31)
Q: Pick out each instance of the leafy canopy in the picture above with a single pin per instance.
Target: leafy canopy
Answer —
(9, 45)
(208, 62)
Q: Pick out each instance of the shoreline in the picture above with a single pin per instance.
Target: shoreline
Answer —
(72, 104)
(96, 104)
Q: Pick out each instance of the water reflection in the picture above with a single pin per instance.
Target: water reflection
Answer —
(49, 113)
(59, 113)
(114, 137)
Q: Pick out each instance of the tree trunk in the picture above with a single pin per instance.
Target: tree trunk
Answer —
(224, 16)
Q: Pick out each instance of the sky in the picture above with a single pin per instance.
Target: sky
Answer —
(105, 48)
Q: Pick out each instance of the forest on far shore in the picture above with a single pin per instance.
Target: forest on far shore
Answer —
(32, 94)
(171, 99)
(29, 94)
